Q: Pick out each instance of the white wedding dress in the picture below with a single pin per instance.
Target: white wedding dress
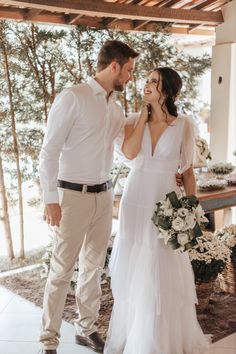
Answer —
(153, 287)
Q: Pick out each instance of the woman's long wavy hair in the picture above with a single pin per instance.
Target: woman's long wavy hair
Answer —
(171, 86)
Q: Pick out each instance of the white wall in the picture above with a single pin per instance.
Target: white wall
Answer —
(223, 95)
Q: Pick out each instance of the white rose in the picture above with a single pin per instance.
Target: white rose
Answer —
(168, 212)
(178, 224)
(182, 239)
(166, 204)
(190, 221)
(182, 212)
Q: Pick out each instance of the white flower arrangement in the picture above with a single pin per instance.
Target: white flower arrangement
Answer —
(228, 236)
(222, 168)
(231, 179)
(208, 257)
(179, 221)
(211, 184)
(209, 248)
(202, 150)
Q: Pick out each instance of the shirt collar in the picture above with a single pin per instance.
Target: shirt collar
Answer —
(98, 89)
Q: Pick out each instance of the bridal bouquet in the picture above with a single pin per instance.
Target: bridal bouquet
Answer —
(179, 221)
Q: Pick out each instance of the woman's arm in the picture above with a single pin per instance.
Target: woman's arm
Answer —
(189, 181)
(134, 135)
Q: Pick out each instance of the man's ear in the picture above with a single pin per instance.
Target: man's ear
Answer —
(115, 67)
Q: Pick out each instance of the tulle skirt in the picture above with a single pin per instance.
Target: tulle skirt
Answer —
(154, 292)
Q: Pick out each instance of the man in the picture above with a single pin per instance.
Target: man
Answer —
(76, 156)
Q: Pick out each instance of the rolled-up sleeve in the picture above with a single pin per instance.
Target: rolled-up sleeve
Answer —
(60, 122)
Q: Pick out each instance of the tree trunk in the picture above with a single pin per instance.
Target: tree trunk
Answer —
(5, 214)
(16, 150)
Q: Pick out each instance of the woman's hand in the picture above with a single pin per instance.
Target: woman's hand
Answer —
(145, 111)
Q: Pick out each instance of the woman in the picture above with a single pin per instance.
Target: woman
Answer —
(153, 287)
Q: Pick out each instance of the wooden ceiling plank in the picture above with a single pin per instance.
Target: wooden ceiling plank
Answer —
(215, 6)
(11, 14)
(149, 2)
(181, 4)
(133, 12)
(197, 32)
(30, 14)
(193, 4)
(171, 3)
(137, 25)
(162, 3)
(193, 28)
(72, 19)
(205, 4)
(126, 25)
(108, 21)
(89, 22)
(19, 15)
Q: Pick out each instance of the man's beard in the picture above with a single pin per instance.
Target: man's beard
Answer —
(117, 86)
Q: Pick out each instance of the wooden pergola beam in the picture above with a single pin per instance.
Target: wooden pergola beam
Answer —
(193, 28)
(139, 24)
(73, 19)
(126, 25)
(19, 15)
(30, 14)
(99, 8)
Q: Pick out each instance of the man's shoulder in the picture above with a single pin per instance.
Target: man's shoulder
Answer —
(78, 89)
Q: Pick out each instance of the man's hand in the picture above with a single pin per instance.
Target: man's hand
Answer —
(52, 214)
(179, 179)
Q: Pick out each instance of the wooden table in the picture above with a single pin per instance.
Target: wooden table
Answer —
(215, 200)
(215, 203)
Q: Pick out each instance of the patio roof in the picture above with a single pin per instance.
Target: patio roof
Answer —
(185, 16)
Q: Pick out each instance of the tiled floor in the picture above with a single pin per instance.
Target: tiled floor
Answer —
(19, 327)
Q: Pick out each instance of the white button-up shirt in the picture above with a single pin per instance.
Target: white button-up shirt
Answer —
(79, 139)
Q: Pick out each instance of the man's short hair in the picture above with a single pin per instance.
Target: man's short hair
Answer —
(114, 50)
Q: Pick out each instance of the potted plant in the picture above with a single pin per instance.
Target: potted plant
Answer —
(208, 258)
(227, 278)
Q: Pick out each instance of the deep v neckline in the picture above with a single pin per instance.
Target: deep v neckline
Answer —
(154, 147)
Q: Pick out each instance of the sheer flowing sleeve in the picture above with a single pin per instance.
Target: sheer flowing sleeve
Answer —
(188, 145)
(131, 119)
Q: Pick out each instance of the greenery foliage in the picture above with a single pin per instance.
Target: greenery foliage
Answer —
(44, 59)
(205, 272)
(39, 61)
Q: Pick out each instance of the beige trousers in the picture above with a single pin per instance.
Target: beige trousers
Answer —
(84, 232)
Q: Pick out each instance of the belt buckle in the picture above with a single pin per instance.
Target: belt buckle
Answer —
(84, 189)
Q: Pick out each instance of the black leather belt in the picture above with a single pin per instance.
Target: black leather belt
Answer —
(96, 188)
